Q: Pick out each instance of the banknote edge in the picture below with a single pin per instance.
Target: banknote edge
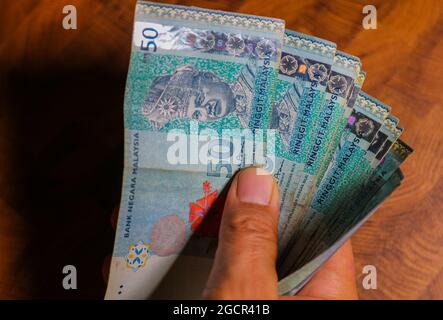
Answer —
(373, 105)
(309, 43)
(347, 61)
(238, 20)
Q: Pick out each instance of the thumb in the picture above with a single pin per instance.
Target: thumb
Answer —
(244, 265)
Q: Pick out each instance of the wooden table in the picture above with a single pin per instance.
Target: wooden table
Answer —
(62, 92)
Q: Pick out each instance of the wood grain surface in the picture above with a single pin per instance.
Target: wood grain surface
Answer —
(61, 145)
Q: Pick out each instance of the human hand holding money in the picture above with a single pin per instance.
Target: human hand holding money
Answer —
(247, 248)
(244, 266)
(211, 92)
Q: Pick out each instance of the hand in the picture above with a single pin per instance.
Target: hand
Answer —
(244, 266)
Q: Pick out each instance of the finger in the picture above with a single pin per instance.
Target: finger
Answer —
(244, 265)
(335, 279)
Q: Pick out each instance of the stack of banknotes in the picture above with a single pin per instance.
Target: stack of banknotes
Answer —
(210, 92)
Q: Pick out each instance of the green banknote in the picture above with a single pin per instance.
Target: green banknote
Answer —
(355, 210)
(198, 80)
(384, 139)
(363, 124)
(339, 86)
(304, 70)
(339, 220)
(367, 131)
(328, 134)
(393, 182)
(338, 132)
(211, 92)
(343, 88)
(389, 163)
(298, 277)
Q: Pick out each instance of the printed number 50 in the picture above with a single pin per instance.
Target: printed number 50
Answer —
(218, 169)
(150, 34)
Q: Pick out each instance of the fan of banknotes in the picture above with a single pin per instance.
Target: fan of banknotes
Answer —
(210, 92)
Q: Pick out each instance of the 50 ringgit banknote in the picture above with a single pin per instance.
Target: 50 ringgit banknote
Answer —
(210, 92)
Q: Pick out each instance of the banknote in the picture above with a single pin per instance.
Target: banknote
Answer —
(339, 87)
(365, 121)
(339, 130)
(347, 175)
(356, 209)
(193, 74)
(298, 277)
(321, 153)
(384, 139)
(395, 156)
(304, 69)
(210, 92)
(362, 186)
(367, 131)
(393, 182)
(342, 89)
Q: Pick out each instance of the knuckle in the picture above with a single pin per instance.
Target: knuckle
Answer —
(252, 225)
(247, 224)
